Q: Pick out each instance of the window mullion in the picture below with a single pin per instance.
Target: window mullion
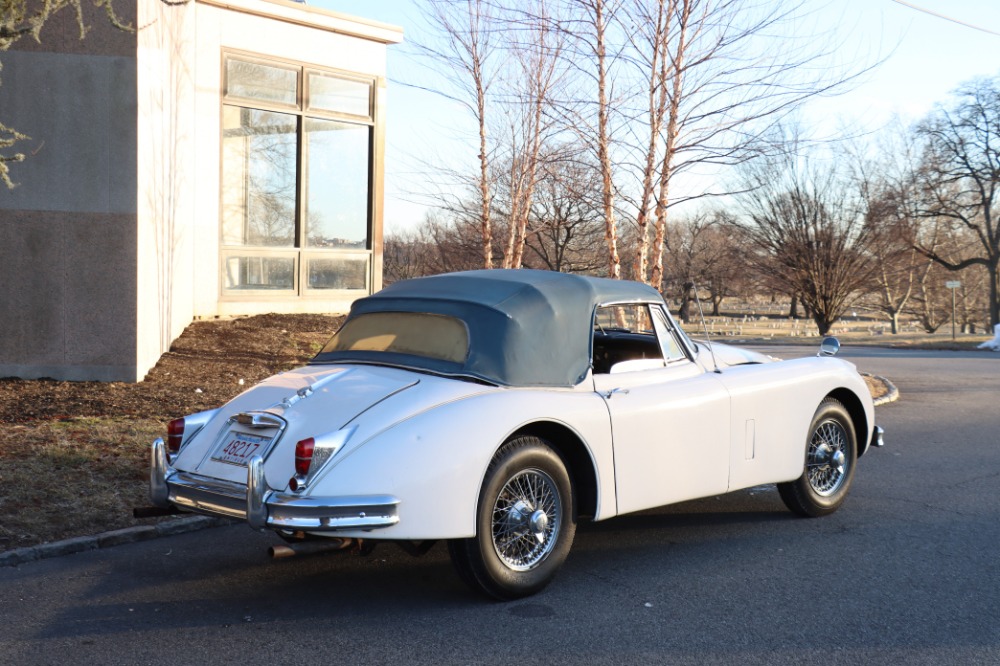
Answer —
(301, 214)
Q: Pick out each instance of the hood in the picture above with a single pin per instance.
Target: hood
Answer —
(727, 356)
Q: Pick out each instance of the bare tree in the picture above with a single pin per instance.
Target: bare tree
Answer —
(567, 223)
(807, 228)
(960, 181)
(595, 16)
(677, 85)
(470, 28)
(537, 49)
(881, 176)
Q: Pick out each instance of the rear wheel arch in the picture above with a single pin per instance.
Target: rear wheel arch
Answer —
(576, 457)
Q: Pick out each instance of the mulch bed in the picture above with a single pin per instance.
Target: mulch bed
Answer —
(201, 371)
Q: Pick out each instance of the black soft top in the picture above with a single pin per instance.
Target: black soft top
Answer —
(526, 327)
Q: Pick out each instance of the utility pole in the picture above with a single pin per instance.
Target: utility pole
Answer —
(953, 285)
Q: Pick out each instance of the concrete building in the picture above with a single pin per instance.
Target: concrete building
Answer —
(224, 158)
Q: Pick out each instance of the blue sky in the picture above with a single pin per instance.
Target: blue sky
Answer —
(926, 57)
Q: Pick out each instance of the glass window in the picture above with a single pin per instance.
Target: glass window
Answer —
(296, 183)
(414, 333)
(256, 81)
(337, 273)
(630, 318)
(337, 200)
(255, 272)
(666, 333)
(332, 93)
(624, 340)
(258, 186)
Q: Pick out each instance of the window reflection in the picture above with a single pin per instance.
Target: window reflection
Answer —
(251, 272)
(337, 200)
(258, 167)
(337, 273)
(296, 184)
(340, 95)
(253, 80)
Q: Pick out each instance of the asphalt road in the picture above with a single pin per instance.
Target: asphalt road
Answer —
(907, 572)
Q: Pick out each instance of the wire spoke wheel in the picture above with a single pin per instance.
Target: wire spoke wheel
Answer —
(525, 522)
(827, 458)
(831, 452)
(526, 519)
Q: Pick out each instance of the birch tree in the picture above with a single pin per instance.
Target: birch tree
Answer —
(470, 52)
(537, 50)
(683, 85)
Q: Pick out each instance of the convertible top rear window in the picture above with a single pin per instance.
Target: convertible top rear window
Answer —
(413, 333)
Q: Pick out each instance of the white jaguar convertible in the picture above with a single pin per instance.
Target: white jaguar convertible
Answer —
(494, 409)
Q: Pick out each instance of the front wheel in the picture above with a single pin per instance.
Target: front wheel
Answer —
(525, 522)
(831, 456)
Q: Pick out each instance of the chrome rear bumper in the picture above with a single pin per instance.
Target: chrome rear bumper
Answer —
(877, 437)
(261, 506)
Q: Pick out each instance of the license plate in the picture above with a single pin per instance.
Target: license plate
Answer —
(238, 447)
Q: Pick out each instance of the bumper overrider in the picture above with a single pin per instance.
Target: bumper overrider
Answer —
(878, 437)
(261, 506)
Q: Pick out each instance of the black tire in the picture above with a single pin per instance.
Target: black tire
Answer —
(831, 456)
(526, 497)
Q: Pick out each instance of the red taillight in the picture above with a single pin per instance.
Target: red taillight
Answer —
(304, 456)
(175, 434)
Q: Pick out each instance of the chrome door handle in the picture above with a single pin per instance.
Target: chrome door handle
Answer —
(622, 391)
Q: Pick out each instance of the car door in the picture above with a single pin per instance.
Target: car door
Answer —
(669, 417)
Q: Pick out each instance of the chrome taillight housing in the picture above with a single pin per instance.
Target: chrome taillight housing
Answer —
(312, 453)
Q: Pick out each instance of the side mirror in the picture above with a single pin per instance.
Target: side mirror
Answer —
(829, 347)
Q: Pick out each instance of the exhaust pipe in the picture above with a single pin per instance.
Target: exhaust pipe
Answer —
(326, 545)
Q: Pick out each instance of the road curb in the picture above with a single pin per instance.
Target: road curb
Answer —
(107, 539)
(891, 396)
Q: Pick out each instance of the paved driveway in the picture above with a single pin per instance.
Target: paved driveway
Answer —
(907, 572)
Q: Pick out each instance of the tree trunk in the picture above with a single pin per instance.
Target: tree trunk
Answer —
(793, 309)
(603, 149)
(894, 322)
(823, 323)
(685, 312)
